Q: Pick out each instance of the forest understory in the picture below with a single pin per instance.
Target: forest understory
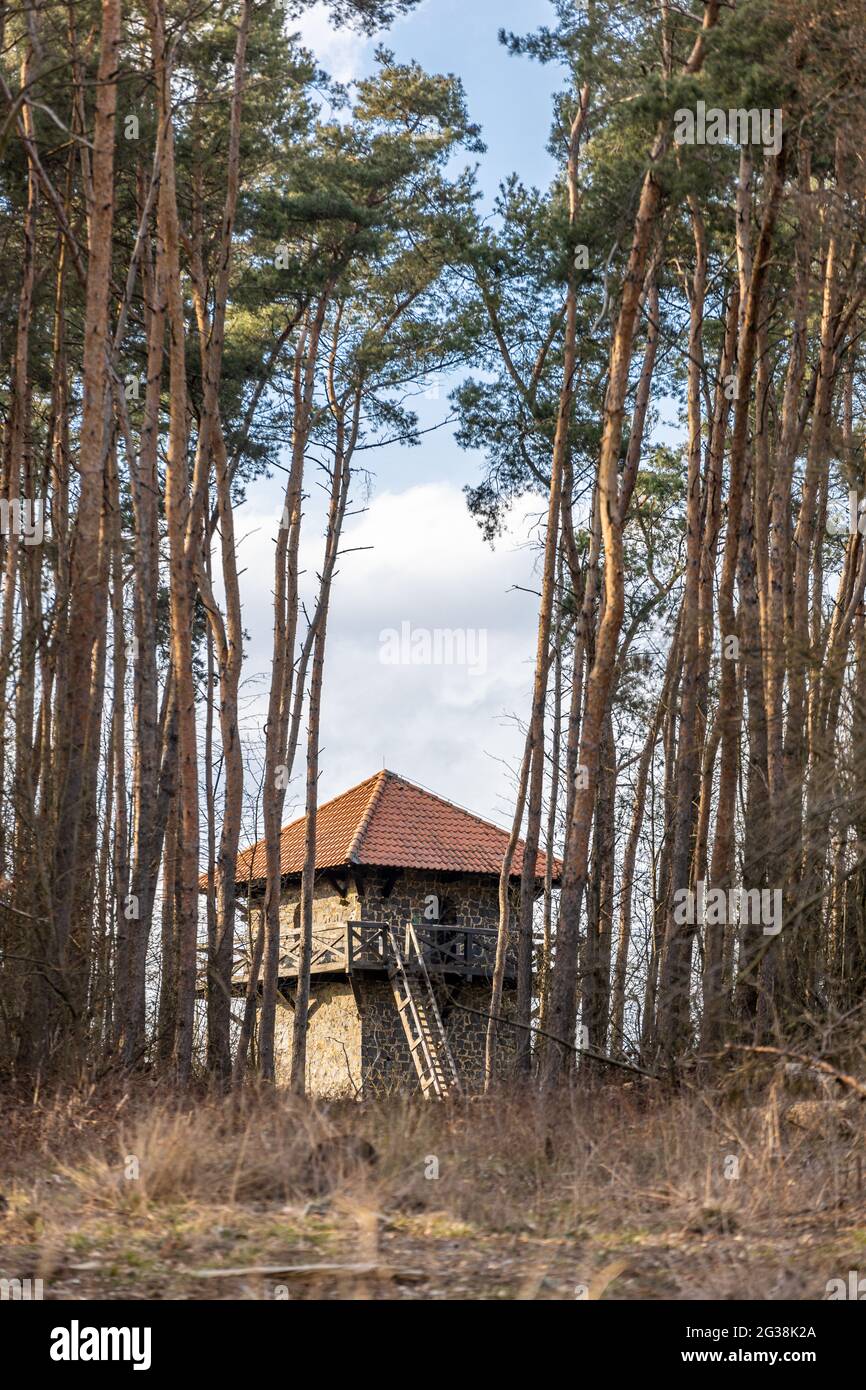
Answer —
(618, 1190)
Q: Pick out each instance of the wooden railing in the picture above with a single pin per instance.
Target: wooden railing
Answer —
(329, 949)
(363, 946)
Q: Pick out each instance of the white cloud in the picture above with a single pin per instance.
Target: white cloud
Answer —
(339, 50)
(442, 724)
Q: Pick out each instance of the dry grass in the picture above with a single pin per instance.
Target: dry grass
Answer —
(616, 1193)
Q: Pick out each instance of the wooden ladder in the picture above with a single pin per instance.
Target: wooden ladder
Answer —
(419, 1014)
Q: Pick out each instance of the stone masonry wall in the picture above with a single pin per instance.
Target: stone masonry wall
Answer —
(467, 900)
(348, 1052)
(386, 1063)
(333, 1042)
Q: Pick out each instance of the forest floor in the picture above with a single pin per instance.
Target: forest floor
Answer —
(617, 1193)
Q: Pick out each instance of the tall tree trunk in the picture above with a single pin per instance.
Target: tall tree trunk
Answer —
(76, 718)
(676, 965)
(177, 507)
(529, 875)
(336, 512)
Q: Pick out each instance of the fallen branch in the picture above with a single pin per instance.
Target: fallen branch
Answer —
(806, 1060)
(305, 1271)
(541, 1033)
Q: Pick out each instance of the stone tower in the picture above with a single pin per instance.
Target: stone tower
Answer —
(389, 854)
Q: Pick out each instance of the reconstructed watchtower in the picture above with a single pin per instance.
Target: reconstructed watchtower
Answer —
(405, 920)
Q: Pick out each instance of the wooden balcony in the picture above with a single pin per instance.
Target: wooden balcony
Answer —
(347, 948)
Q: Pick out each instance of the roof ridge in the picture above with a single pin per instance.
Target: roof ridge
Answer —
(361, 828)
(321, 806)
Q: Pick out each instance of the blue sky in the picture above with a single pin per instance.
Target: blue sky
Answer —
(451, 727)
(510, 98)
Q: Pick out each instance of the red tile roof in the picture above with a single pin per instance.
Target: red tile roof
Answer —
(388, 821)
